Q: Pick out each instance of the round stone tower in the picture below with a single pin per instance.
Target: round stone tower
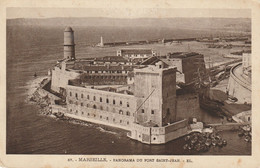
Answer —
(69, 45)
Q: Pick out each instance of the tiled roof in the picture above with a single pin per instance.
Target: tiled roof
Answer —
(182, 54)
(136, 51)
(111, 59)
(108, 68)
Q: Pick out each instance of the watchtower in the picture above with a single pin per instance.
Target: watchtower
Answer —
(69, 45)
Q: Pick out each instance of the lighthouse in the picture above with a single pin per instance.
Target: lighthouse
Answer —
(101, 42)
(69, 45)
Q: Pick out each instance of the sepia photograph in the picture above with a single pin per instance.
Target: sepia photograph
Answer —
(80, 81)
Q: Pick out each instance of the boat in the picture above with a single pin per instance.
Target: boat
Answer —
(59, 115)
(224, 142)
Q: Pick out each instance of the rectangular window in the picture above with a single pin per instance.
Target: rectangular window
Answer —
(152, 111)
(142, 110)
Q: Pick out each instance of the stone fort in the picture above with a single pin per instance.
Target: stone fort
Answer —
(144, 98)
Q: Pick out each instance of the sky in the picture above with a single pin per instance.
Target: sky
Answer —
(12, 12)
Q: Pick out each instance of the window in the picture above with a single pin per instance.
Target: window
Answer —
(128, 113)
(76, 111)
(120, 112)
(120, 121)
(94, 115)
(94, 98)
(82, 112)
(94, 106)
(87, 96)
(88, 114)
(114, 120)
(120, 103)
(152, 111)
(81, 104)
(70, 110)
(127, 122)
(168, 111)
(82, 96)
(127, 104)
(107, 118)
(87, 105)
(70, 94)
(114, 102)
(100, 99)
(101, 108)
(100, 117)
(76, 95)
(142, 110)
(107, 101)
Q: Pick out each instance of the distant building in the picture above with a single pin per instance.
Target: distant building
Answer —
(246, 60)
(136, 53)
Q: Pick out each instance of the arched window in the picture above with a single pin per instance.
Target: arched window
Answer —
(94, 106)
(120, 112)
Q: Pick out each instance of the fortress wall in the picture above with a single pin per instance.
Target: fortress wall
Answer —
(61, 77)
(102, 106)
(187, 106)
(159, 135)
(239, 88)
